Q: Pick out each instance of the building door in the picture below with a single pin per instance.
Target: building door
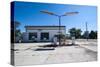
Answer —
(45, 36)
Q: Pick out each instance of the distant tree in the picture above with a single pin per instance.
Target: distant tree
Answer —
(93, 35)
(75, 32)
(72, 31)
(15, 32)
(96, 34)
(78, 33)
(16, 24)
(85, 34)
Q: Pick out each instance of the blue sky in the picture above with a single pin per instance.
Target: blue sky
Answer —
(28, 13)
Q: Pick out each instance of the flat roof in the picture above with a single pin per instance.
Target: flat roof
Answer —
(44, 26)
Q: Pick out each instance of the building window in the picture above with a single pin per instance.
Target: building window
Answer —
(44, 36)
(32, 36)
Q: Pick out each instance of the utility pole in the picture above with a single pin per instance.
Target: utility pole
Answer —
(86, 31)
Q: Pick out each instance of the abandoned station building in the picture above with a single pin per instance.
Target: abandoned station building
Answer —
(41, 33)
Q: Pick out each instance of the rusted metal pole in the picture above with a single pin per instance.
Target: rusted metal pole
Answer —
(59, 30)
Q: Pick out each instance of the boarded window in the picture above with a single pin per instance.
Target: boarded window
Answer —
(32, 36)
(44, 36)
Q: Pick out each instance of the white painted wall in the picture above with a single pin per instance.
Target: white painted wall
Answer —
(51, 34)
(25, 36)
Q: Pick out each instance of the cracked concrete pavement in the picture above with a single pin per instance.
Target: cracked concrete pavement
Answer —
(26, 54)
